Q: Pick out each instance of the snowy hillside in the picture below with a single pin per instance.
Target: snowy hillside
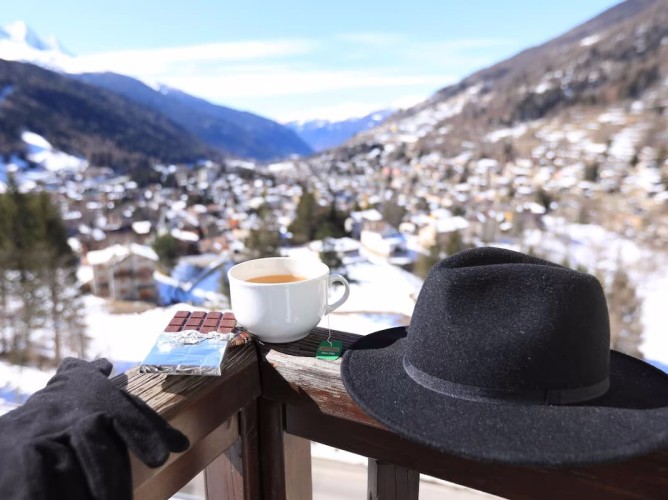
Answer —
(40, 159)
(18, 42)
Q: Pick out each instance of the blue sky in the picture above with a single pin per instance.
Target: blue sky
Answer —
(291, 59)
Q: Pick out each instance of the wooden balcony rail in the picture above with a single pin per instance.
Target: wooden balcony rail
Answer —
(251, 428)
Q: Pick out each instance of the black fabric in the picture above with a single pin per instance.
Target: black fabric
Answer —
(491, 326)
(630, 419)
(535, 324)
(70, 440)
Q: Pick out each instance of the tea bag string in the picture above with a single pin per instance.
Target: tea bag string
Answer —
(329, 330)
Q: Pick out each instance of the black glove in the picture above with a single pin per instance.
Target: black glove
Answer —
(70, 439)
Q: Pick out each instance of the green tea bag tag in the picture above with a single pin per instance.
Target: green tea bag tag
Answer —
(329, 350)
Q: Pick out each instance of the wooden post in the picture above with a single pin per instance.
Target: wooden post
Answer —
(248, 430)
(391, 482)
(298, 479)
(223, 478)
(271, 453)
(285, 460)
(234, 475)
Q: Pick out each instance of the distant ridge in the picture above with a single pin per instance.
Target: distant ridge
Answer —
(235, 132)
(87, 121)
(326, 134)
(618, 56)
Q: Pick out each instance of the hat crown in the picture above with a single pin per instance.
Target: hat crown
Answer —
(495, 323)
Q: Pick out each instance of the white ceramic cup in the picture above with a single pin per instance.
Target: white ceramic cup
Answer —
(282, 312)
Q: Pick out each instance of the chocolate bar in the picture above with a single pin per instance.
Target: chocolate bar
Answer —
(194, 343)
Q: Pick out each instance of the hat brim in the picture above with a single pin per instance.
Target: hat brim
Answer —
(629, 420)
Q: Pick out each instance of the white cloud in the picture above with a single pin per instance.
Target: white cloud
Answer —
(407, 101)
(192, 57)
(335, 112)
(285, 81)
(372, 39)
(342, 75)
(351, 109)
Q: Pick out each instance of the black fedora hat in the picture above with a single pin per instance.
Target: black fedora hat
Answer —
(507, 359)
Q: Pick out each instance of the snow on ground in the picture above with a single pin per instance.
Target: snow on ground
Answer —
(18, 382)
(382, 288)
(381, 295)
(603, 251)
(125, 338)
(41, 152)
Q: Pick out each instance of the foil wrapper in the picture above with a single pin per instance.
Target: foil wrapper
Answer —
(188, 352)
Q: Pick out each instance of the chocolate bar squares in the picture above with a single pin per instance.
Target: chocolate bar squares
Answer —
(202, 322)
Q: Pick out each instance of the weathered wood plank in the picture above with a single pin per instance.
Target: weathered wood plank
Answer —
(271, 451)
(292, 374)
(317, 401)
(173, 476)
(644, 477)
(235, 474)
(298, 478)
(285, 460)
(248, 430)
(391, 482)
(223, 478)
(305, 397)
(195, 405)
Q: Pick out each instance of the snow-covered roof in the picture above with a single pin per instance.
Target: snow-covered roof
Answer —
(371, 215)
(117, 253)
(533, 207)
(142, 227)
(450, 224)
(344, 245)
(184, 235)
(74, 244)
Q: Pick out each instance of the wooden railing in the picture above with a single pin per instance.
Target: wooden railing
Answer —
(250, 431)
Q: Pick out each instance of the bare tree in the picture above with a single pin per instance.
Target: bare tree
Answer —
(625, 310)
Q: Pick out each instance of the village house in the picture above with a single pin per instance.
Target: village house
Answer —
(386, 241)
(440, 227)
(365, 220)
(124, 272)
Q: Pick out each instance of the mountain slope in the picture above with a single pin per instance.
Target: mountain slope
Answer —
(87, 121)
(616, 58)
(225, 129)
(325, 134)
(237, 132)
(577, 127)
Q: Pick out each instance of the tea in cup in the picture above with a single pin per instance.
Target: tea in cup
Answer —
(281, 299)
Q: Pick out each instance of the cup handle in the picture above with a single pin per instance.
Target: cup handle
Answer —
(337, 278)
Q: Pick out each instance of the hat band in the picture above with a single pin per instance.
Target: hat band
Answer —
(539, 396)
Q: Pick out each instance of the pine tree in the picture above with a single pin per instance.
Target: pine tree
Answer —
(167, 249)
(331, 224)
(424, 263)
(264, 240)
(37, 271)
(330, 256)
(305, 224)
(393, 213)
(6, 216)
(455, 243)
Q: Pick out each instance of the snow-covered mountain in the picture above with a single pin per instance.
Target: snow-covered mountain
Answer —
(224, 129)
(19, 42)
(326, 134)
